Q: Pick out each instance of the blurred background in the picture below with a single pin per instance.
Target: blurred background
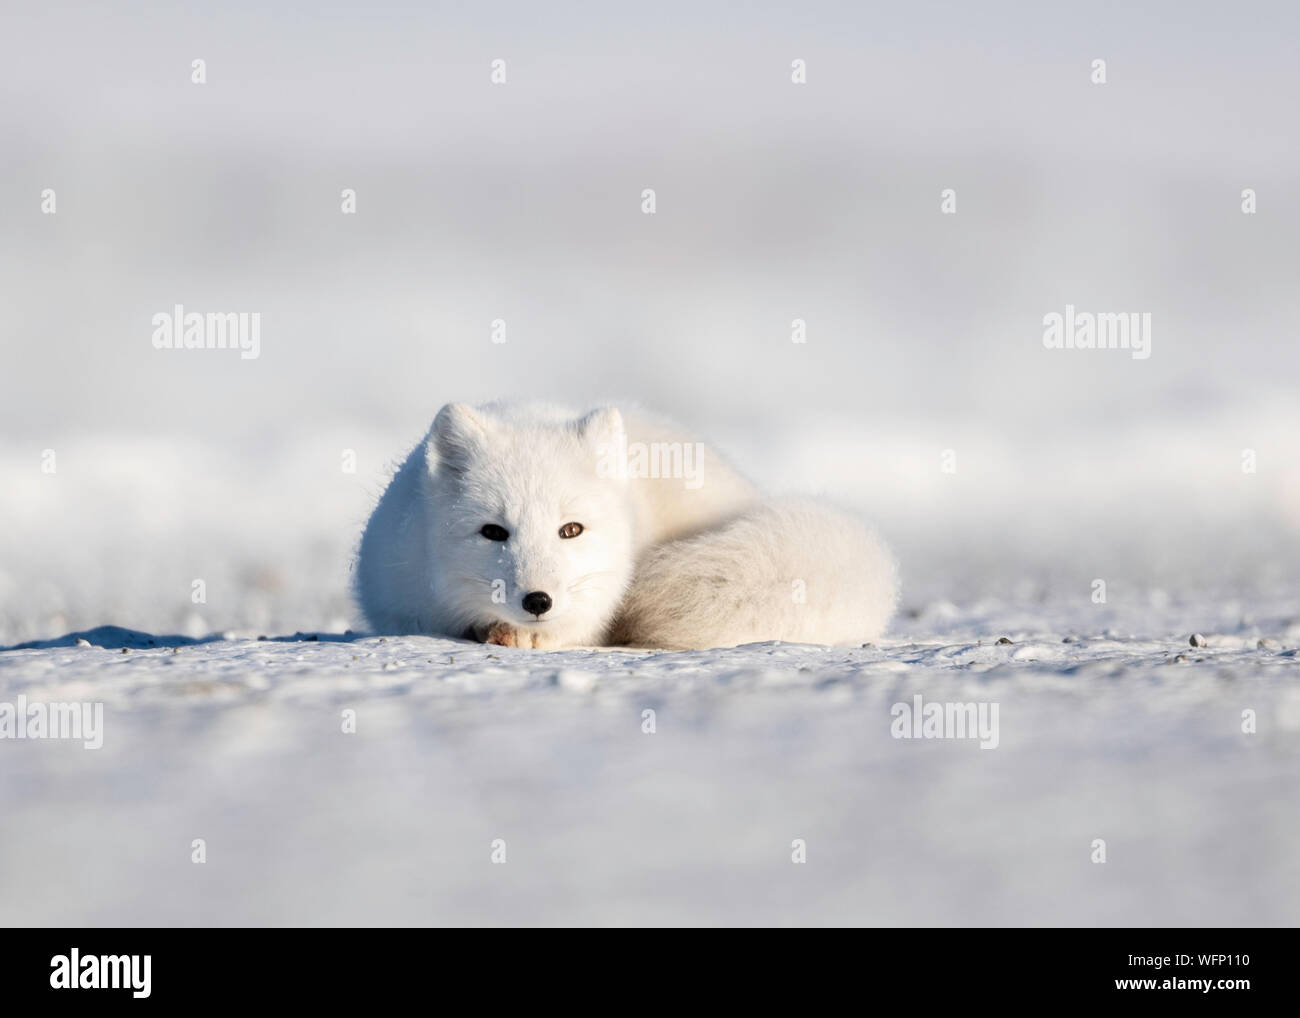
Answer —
(775, 201)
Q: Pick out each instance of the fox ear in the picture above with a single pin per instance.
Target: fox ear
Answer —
(458, 433)
(602, 427)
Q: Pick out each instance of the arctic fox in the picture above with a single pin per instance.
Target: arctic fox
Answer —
(528, 526)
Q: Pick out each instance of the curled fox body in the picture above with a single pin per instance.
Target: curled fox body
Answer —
(529, 526)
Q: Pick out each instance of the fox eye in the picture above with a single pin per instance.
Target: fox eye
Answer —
(494, 533)
(571, 530)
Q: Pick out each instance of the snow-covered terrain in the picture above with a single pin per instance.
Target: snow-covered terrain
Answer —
(1135, 740)
(1111, 725)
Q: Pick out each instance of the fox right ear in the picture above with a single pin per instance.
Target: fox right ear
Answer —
(601, 427)
(458, 433)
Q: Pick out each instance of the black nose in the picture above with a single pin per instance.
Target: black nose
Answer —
(537, 602)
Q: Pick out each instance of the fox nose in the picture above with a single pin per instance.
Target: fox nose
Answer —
(538, 602)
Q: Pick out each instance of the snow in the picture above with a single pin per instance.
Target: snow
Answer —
(240, 742)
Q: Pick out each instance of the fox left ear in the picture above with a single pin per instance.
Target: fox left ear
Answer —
(602, 427)
(457, 436)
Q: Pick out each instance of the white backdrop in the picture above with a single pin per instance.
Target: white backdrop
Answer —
(522, 202)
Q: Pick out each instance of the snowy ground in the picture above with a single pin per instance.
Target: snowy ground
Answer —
(1134, 740)
(1125, 733)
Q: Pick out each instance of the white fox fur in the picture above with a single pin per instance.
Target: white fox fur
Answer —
(662, 562)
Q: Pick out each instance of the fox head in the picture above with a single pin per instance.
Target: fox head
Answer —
(528, 538)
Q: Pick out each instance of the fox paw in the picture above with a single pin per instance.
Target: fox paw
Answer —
(541, 640)
(502, 634)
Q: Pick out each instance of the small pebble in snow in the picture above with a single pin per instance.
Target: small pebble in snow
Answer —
(1181, 658)
(1071, 639)
(126, 650)
(1003, 639)
(1197, 640)
(82, 643)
